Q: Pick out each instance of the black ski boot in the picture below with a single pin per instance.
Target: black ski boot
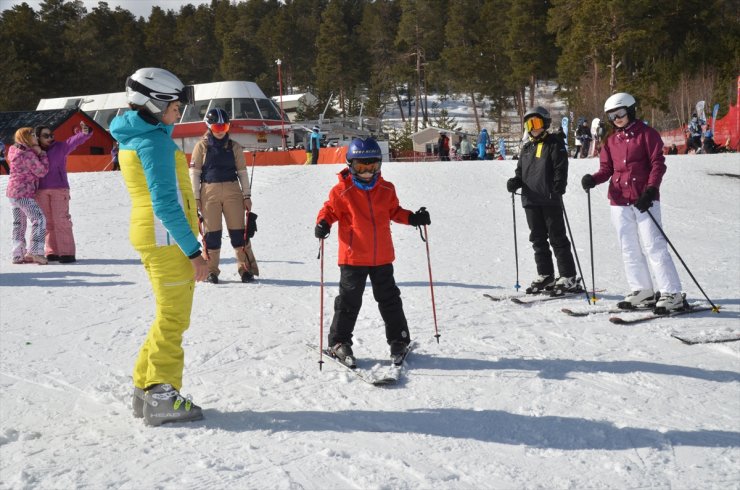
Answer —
(343, 352)
(398, 352)
(541, 284)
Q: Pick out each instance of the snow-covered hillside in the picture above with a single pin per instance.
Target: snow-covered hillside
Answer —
(512, 396)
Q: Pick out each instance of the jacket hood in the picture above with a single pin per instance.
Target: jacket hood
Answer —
(130, 125)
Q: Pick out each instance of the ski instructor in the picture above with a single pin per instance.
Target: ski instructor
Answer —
(163, 229)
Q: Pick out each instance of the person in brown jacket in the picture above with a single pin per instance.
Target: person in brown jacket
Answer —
(218, 172)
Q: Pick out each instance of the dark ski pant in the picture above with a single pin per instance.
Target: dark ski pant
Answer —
(547, 223)
(347, 305)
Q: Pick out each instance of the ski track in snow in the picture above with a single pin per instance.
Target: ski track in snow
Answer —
(511, 397)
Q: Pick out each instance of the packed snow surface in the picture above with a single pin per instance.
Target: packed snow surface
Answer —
(511, 396)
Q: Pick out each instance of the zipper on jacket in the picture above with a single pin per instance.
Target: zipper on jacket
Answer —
(375, 228)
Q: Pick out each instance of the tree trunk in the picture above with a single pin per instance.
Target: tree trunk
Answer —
(532, 83)
(475, 111)
(400, 103)
(613, 76)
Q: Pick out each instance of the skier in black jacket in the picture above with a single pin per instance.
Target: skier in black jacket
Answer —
(542, 174)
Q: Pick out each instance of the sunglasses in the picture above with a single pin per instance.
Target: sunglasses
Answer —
(220, 127)
(618, 114)
(49, 136)
(534, 123)
(366, 166)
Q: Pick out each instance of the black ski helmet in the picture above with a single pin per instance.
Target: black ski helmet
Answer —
(539, 111)
(216, 116)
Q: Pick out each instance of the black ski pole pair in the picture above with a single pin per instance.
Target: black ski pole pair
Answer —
(516, 252)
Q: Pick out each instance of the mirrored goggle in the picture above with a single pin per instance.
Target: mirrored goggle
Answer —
(534, 123)
(619, 113)
(220, 127)
(186, 95)
(363, 167)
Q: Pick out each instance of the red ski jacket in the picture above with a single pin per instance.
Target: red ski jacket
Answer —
(364, 218)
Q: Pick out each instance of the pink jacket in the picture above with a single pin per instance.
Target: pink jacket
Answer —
(25, 170)
(633, 158)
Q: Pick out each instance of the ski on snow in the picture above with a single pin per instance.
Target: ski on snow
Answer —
(655, 316)
(535, 298)
(704, 337)
(377, 377)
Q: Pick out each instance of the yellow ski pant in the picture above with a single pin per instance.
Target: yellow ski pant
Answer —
(161, 358)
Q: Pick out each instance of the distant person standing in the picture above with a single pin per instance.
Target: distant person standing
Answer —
(314, 144)
(443, 146)
(164, 231)
(465, 147)
(53, 193)
(694, 133)
(483, 141)
(28, 162)
(114, 157)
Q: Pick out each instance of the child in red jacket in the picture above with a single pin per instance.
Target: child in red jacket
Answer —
(364, 204)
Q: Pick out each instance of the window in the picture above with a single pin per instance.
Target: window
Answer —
(195, 112)
(268, 109)
(246, 109)
(104, 117)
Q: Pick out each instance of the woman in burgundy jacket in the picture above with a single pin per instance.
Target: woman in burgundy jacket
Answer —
(633, 158)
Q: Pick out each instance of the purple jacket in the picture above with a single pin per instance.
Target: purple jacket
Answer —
(633, 158)
(25, 169)
(57, 152)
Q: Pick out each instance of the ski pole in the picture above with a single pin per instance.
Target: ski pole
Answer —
(201, 229)
(516, 249)
(431, 282)
(715, 308)
(591, 239)
(321, 306)
(575, 253)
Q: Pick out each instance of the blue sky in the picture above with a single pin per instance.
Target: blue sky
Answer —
(137, 7)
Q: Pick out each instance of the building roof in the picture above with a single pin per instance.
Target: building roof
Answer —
(10, 122)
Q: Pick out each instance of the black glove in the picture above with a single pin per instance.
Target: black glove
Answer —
(513, 184)
(588, 182)
(558, 188)
(251, 224)
(419, 218)
(322, 229)
(645, 201)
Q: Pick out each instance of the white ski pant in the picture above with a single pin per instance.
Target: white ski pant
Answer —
(634, 227)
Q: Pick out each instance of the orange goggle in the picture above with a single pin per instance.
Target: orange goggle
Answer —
(534, 123)
(363, 167)
(220, 127)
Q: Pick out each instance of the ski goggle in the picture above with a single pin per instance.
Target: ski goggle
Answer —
(220, 127)
(186, 95)
(366, 166)
(618, 114)
(534, 123)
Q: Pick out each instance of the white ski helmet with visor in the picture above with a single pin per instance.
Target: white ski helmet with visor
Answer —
(155, 89)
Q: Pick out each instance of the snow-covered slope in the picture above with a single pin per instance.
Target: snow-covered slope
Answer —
(511, 397)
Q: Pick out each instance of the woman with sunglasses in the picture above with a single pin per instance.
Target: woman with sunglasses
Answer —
(632, 157)
(542, 174)
(28, 163)
(53, 193)
(218, 172)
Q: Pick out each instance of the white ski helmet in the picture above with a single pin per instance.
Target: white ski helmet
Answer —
(155, 88)
(621, 99)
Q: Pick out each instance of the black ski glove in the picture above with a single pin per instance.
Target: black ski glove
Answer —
(645, 201)
(251, 224)
(419, 218)
(513, 184)
(322, 229)
(588, 182)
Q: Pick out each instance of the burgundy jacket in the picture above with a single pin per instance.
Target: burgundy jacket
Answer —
(633, 158)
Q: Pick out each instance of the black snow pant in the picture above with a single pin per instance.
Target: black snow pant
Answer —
(314, 156)
(547, 223)
(347, 304)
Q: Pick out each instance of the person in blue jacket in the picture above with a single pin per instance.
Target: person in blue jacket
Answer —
(314, 144)
(163, 230)
(483, 140)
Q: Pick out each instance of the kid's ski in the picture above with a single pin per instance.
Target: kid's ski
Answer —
(391, 375)
(653, 316)
(536, 297)
(703, 337)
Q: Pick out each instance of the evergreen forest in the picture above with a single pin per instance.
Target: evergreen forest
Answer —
(371, 55)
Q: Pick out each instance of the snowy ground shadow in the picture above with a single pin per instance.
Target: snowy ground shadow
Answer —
(560, 368)
(494, 426)
(47, 278)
